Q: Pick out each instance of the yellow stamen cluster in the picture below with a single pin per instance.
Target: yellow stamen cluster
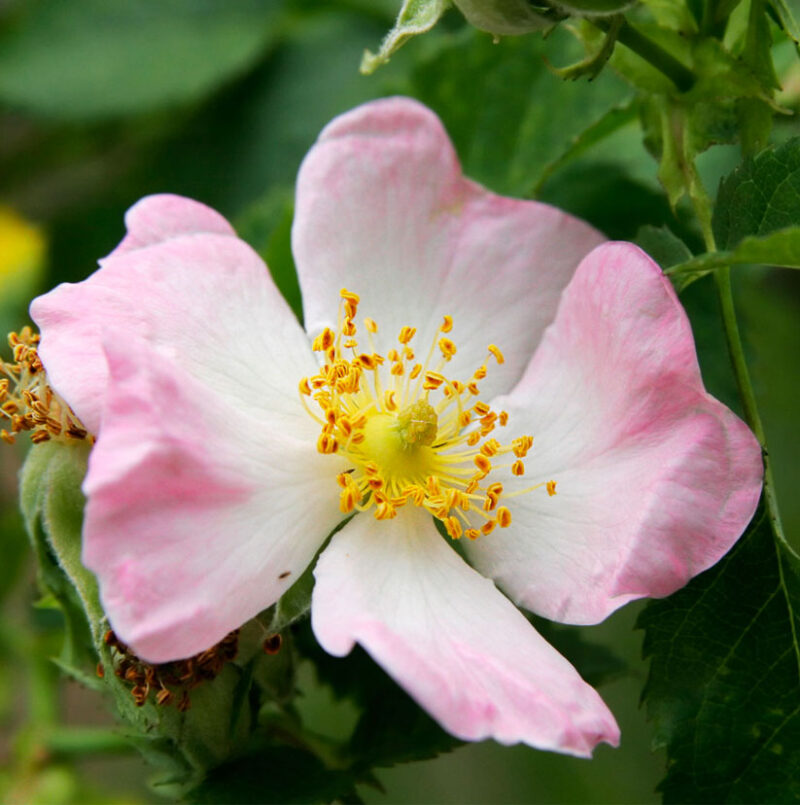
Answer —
(27, 400)
(404, 447)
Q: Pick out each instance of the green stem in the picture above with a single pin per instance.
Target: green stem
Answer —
(722, 278)
(677, 72)
(77, 741)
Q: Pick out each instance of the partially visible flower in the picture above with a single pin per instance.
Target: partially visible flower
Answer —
(501, 354)
(28, 404)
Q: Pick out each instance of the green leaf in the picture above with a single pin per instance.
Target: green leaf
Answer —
(294, 604)
(781, 248)
(724, 683)
(668, 137)
(274, 775)
(609, 123)
(759, 197)
(758, 46)
(511, 119)
(52, 507)
(92, 58)
(755, 124)
(392, 728)
(666, 248)
(786, 17)
(416, 17)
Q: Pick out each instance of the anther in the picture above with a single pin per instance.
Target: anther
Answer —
(483, 464)
(406, 334)
(522, 445)
(503, 517)
(323, 341)
(551, 488)
(490, 448)
(497, 354)
(447, 347)
(453, 527)
(432, 381)
(368, 362)
(447, 324)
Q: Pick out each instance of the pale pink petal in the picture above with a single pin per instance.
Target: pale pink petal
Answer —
(382, 209)
(205, 302)
(155, 219)
(655, 478)
(446, 635)
(198, 517)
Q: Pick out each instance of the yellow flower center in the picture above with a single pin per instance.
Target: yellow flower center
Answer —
(411, 435)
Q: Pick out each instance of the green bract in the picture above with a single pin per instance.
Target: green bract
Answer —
(415, 17)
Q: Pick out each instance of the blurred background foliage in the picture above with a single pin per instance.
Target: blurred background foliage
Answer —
(104, 101)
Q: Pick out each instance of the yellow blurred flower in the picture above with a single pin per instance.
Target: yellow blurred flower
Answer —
(22, 245)
(22, 252)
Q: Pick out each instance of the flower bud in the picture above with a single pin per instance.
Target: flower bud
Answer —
(503, 17)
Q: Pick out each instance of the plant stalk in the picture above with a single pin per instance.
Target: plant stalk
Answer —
(677, 72)
(730, 324)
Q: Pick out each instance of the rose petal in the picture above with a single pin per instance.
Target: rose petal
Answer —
(158, 218)
(655, 478)
(204, 301)
(461, 649)
(197, 517)
(382, 208)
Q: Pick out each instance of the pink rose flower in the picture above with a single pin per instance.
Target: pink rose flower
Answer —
(226, 455)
